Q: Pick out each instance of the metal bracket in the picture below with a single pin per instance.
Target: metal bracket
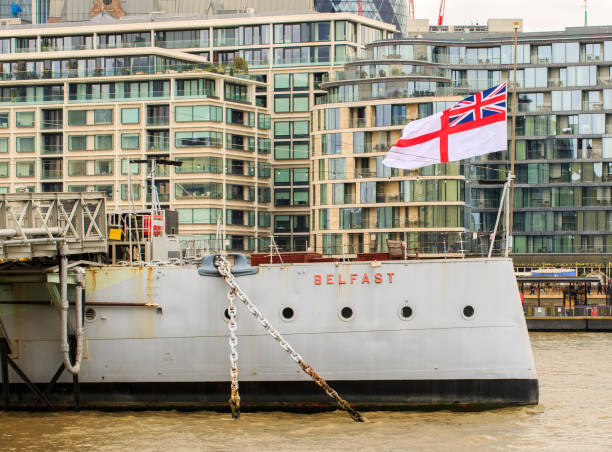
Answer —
(241, 266)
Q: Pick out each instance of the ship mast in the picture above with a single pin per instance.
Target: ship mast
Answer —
(512, 149)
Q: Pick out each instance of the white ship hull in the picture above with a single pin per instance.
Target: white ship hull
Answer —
(176, 353)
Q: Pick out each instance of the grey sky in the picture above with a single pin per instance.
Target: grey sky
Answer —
(537, 14)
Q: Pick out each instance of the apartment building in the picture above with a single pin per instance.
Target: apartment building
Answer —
(78, 100)
(562, 196)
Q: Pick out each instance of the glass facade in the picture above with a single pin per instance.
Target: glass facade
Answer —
(563, 149)
(243, 141)
(393, 12)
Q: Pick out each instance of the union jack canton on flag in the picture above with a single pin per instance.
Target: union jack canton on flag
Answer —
(474, 126)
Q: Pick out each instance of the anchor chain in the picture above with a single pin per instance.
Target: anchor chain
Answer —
(233, 343)
(225, 270)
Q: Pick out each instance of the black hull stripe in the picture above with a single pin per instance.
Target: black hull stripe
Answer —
(301, 395)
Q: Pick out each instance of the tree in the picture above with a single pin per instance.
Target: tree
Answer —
(240, 65)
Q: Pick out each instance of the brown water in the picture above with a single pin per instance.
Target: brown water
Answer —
(575, 413)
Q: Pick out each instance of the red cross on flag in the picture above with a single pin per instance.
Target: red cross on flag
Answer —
(474, 126)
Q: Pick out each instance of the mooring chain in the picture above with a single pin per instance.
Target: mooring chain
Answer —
(225, 270)
(233, 343)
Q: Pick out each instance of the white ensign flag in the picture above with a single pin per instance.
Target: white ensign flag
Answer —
(474, 126)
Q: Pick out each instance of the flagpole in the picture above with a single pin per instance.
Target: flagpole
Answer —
(513, 143)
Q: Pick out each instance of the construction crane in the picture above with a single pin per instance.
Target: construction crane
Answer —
(410, 9)
(441, 12)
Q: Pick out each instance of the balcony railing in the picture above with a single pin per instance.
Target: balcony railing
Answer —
(383, 198)
(51, 174)
(362, 173)
(158, 120)
(51, 124)
(158, 147)
(180, 43)
(355, 123)
(52, 149)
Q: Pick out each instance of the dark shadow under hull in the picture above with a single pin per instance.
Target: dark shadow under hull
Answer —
(293, 395)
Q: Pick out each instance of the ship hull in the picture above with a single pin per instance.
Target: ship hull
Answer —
(164, 341)
(294, 395)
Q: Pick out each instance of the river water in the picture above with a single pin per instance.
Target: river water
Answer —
(575, 413)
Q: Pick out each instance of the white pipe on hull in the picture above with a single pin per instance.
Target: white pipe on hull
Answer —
(64, 347)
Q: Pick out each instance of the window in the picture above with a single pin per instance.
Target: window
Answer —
(130, 115)
(337, 168)
(282, 103)
(195, 88)
(24, 119)
(77, 142)
(77, 167)
(300, 129)
(300, 81)
(4, 121)
(77, 117)
(24, 169)
(198, 139)
(106, 189)
(300, 176)
(281, 129)
(282, 197)
(103, 167)
(25, 144)
(130, 141)
(135, 192)
(331, 143)
(103, 142)
(331, 118)
(282, 177)
(199, 216)
(263, 121)
(207, 190)
(4, 169)
(199, 165)
(135, 167)
(282, 82)
(104, 116)
(3, 145)
(235, 92)
(300, 102)
(197, 113)
(300, 150)
(300, 197)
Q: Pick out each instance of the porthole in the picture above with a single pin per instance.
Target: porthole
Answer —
(346, 313)
(406, 312)
(287, 313)
(226, 314)
(468, 312)
(90, 314)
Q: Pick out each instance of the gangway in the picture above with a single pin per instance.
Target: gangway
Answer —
(32, 224)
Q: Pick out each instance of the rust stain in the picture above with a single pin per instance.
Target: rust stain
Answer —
(150, 296)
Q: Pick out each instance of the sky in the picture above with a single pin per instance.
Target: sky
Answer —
(537, 14)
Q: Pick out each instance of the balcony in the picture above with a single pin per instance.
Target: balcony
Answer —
(355, 123)
(51, 124)
(50, 149)
(158, 120)
(346, 199)
(180, 43)
(51, 174)
(384, 198)
(363, 173)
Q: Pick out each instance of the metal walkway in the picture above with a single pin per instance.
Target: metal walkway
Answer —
(32, 224)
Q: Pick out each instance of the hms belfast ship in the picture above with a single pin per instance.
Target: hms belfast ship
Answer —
(396, 333)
